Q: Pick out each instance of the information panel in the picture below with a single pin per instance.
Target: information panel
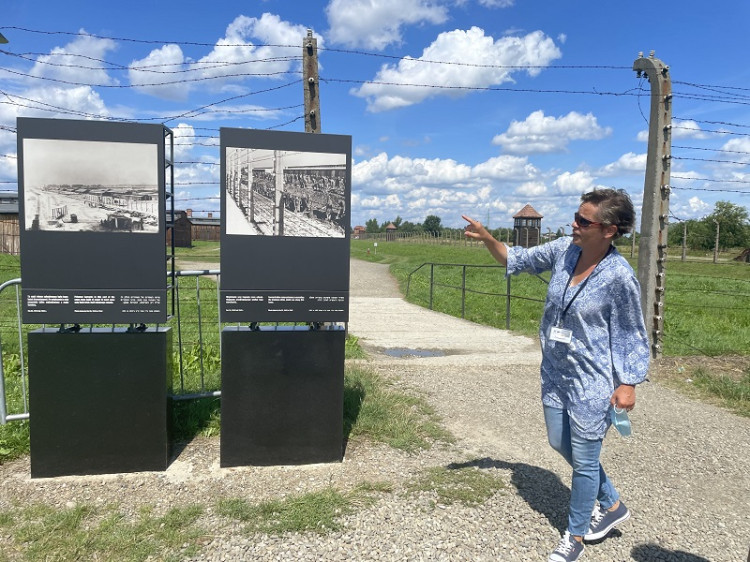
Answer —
(285, 203)
(93, 241)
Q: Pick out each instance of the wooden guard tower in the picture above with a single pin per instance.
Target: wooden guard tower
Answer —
(527, 227)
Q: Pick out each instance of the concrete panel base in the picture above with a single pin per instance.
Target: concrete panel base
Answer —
(282, 396)
(99, 401)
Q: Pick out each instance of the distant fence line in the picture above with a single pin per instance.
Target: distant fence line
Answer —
(626, 248)
(464, 289)
(198, 329)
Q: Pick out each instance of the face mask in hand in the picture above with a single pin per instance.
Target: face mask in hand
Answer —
(620, 420)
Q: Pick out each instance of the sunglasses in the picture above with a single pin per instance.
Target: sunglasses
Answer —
(584, 223)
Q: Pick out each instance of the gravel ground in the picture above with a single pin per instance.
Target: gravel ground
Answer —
(685, 474)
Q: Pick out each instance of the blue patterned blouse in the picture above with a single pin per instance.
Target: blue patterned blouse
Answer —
(609, 344)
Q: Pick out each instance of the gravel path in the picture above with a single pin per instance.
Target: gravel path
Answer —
(685, 474)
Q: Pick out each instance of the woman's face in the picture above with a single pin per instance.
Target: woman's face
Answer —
(594, 232)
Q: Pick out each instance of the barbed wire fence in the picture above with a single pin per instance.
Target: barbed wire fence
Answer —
(729, 162)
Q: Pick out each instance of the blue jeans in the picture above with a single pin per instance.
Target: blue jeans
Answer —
(590, 483)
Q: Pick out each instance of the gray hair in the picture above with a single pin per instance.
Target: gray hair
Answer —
(614, 208)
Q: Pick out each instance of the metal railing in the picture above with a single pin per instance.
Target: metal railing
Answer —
(197, 327)
(4, 415)
(464, 289)
(189, 346)
(203, 391)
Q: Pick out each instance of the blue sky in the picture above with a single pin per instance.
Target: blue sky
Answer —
(472, 134)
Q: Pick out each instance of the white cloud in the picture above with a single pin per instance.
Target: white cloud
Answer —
(82, 102)
(687, 130)
(627, 164)
(694, 208)
(231, 53)
(439, 186)
(490, 60)
(496, 3)
(574, 183)
(505, 167)
(168, 58)
(77, 100)
(540, 133)
(67, 63)
(234, 59)
(531, 189)
(375, 24)
(737, 150)
(377, 205)
(403, 174)
(8, 166)
(184, 137)
(680, 130)
(699, 207)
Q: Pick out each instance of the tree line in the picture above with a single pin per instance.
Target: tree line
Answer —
(733, 225)
(431, 226)
(732, 221)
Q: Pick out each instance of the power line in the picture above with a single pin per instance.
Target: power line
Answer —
(321, 48)
(728, 124)
(201, 110)
(709, 98)
(711, 149)
(153, 84)
(709, 160)
(712, 86)
(718, 132)
(711, 180)
(194, 66)
(680, 187)
(131, 40)
(477, 88)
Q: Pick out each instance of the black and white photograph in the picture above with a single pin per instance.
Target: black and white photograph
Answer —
(285, 200)
(92, 221)
(90, 186)
(285, 193)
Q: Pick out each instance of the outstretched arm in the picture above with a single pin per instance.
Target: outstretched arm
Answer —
(476, 231)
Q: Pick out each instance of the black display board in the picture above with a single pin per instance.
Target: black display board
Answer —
(100, 401)
(285, 204)
(92, 221)
(282, 395)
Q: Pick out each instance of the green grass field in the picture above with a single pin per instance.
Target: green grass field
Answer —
(707, 305)
(707, 314)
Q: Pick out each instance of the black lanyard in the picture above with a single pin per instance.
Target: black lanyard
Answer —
(582, 285)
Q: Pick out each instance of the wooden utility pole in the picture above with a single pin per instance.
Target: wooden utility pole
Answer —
(652, 250)
(310, 83)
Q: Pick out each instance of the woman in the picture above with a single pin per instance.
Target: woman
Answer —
(594, 350)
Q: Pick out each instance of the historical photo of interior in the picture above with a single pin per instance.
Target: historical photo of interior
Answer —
(285, 193)
(91, 186)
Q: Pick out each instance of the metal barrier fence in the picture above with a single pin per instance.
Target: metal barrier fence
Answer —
(197, 329)
(464, 289)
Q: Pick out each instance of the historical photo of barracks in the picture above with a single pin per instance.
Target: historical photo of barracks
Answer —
(104, 192)
(281, 193)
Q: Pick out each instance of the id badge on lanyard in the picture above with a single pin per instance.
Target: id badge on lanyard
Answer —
(562, 335)
(558, 333)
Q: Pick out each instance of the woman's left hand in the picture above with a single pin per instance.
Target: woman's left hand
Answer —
(624, 397)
